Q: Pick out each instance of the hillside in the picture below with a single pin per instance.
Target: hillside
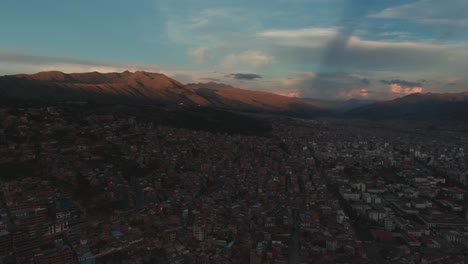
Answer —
(109, 87)
(447, 106)
(147, 88)
(228, 97)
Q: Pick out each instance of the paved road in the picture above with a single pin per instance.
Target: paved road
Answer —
(294, 247)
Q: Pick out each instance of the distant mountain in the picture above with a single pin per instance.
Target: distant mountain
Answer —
(228, 97)
(154, 88)
(446, 106)
(109, 87)
(146, 87)
(337, 107)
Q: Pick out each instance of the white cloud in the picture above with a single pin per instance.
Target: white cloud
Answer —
(354, 93)
(14, 63)
(398, 89)
(299, 33)
(289, 93)
(395, 34)
(359, 43)
(253, 58)
(313, 37)
(200, 55)
(453, 79)
(435, 12)
(319, 37)
(356, 76)
(308, 46)
(214, 27)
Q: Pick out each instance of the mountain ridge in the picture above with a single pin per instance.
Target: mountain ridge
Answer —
(142, 87)
(226, 96)
(146, 87)
(423, 106)
(138, 86)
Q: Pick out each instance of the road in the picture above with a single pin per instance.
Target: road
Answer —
(294, 247)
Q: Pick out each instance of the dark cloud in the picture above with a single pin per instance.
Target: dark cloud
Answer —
(402, 83)
(211, 79)
(452, 84)
(365, 81)
(366, 56)
(351, 18)
(183, 78)
(12, 57)
(331, 85)
(448, 19)
(244, 76)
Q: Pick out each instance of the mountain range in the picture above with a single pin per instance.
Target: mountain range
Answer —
(227, 97)
(154, 88)
(427, 106)
(145, 87)
(102, 87)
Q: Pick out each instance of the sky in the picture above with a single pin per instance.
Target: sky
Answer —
(326, 49)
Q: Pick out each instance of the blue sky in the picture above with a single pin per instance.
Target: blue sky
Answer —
(329, 49)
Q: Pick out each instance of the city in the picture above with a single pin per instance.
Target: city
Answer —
(234, 132)
(102, 188)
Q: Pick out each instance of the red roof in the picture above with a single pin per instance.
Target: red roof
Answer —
(427, 240)
(410, 238)
(383, 235)
(315, 216)
(458, 190)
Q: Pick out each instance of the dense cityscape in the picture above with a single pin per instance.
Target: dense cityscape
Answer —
(116, 189)
(234, 132)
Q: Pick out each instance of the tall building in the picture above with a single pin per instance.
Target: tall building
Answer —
(5, 243)
(139, 196)
(256, 256)
(199, 231)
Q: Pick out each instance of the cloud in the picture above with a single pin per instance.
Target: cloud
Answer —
(200, 55)
(343, 85)
(299, 33)
(453, 81)
(448, 17)
(365, 81)
(333, 85)
(404, 87)
(251, 58)
(14, 62)
(350, 21)
(14, 57)
(306, 38)
(303, 37)
(210, 79)
(397, 34)
(312, 37)
(214, 27)
(396, 88)
(354, 93)
(244, 76)
(289, 94)
(371, 55)
(27, 63)
(434, 12)
(402, 83)
(311, 47)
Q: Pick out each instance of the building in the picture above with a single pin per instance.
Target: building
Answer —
(199, 231)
